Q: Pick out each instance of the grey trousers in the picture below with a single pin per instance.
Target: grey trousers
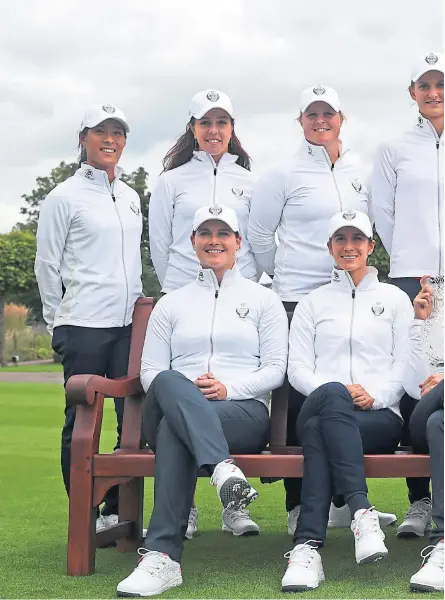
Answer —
(188, 432)
(426, 427)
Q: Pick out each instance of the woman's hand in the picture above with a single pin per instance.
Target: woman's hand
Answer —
(210, 387)
(430, 383)
(423, 302)
(360, 396)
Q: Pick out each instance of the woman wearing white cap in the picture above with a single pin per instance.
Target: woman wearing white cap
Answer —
(296, 203)
(353, 385)
(407, 203)
(88, 267)
(206, 396)
(206, 165)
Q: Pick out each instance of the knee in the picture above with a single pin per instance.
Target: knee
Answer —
(434, 426)
(311, 428)
(334, 389)
(165, 379)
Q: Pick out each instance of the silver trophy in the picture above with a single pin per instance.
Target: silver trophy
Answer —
(432, 332)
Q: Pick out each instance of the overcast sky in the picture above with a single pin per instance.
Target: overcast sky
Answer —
(149, 57)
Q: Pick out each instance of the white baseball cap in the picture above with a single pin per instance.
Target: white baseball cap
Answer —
(432, 61)
(97, 114)
(216, 212)
(204, 101)
(319, 93)
(350, 218)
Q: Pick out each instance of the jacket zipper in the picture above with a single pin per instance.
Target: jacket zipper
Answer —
(336, 187)
(350, 336)
(215, 170)
(123, 258)
(211, 330)
(438, 205)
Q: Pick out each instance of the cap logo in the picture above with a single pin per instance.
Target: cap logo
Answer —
(349, 215)
(420, 122)
(357, 185)
(319, 90)
(134, 208)
(212, 96)
(378, 309)
(237, 191)
(89, 174)
(431, 58)
(215, 210)
(242, 311)
(108, 108)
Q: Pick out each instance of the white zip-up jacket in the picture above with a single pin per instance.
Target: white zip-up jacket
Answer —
(237, 330)
(88, 240)
(297, 203)
(351, 334)
(407, 201)
(177, 196)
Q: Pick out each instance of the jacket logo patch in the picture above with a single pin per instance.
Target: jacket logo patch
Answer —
(431, 58)
(237, 191)
(242, 311)
(309, 150)
(89, 174)
(357, 185)
(108, 108)
(319, 90)
(336, 276)
(420, 122)
(134, 208)
(200, 275)
(378, 309)
(212, 96)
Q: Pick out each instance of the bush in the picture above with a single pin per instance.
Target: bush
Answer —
(44, 353)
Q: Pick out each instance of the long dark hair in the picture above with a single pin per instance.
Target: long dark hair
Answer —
(82, 150)
(182, 151)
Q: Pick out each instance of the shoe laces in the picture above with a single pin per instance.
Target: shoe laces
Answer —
(368, 522)
(152, 561)
(303, 555)
(419, 508)
(433, 555)
(237, 514)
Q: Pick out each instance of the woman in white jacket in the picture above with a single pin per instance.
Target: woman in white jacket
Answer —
(88, 268)
(423, 380)
(346, 355)
(207, 396)
(295, 203)
(407, 204)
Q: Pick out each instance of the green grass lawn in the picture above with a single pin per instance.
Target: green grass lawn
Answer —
(33, 526)
(24, 368)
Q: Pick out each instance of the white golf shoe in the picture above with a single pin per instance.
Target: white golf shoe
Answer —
(232, 487)
(304, 569)
(369, 545)
(429, 578)
(155, 573)
(238, 522)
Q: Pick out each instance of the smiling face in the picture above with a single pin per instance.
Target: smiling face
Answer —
(321, 124)
(213, 132)
(350, 249)
(215, 245)
(104, 144)
(427, 91)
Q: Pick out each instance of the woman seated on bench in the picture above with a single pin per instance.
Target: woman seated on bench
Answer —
(214, 350)
(423, 380)
(346, 349)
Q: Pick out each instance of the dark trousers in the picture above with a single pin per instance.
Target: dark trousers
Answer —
(335, 436)
(426, 427)
(87, 350)
(188, 432)
(418, 487)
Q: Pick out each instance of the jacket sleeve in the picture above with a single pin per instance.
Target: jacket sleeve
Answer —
(383, 191)
(52, 231)
(268, 200)
(160, 218)
(156, 354)
(273, 339)
(389, 390)
(416, 369)
(301, 367)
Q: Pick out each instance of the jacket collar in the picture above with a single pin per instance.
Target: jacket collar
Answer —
(204, 157)
(207, 277)
(426, 128)
(342, 279)
(318, 154)
(97, 176)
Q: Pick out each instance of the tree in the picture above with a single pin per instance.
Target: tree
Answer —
(380, 259)
(17, 253)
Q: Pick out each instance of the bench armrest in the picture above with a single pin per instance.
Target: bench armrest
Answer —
(82, 389)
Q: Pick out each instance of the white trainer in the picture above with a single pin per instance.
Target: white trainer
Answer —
(304, 569)
(100, 524)
(369, 545)
(192, 525)
(292, 520)
(429, 578)
(155, 573)
(341, 517)
(238, 522)
(417, 521)
(232, 487)
(105, 522)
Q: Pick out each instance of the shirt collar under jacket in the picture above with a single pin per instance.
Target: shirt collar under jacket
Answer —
(204, 157)
(207, 277)
(341, 278)
(318, 154)
(426, 128)
(97, 176)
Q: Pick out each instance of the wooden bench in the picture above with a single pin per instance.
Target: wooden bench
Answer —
(92, 473)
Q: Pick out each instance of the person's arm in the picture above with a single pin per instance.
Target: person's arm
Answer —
(160, 217)
(273, 337)
(156, 354)
(383, 192)
(266, 207)
(52, 231)
(416, 368)
(301, 367)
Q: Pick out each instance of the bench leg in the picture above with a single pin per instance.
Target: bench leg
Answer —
(81, 532)
(131, 504)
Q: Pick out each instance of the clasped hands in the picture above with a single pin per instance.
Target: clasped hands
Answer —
(210, 387)
(360, 396)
